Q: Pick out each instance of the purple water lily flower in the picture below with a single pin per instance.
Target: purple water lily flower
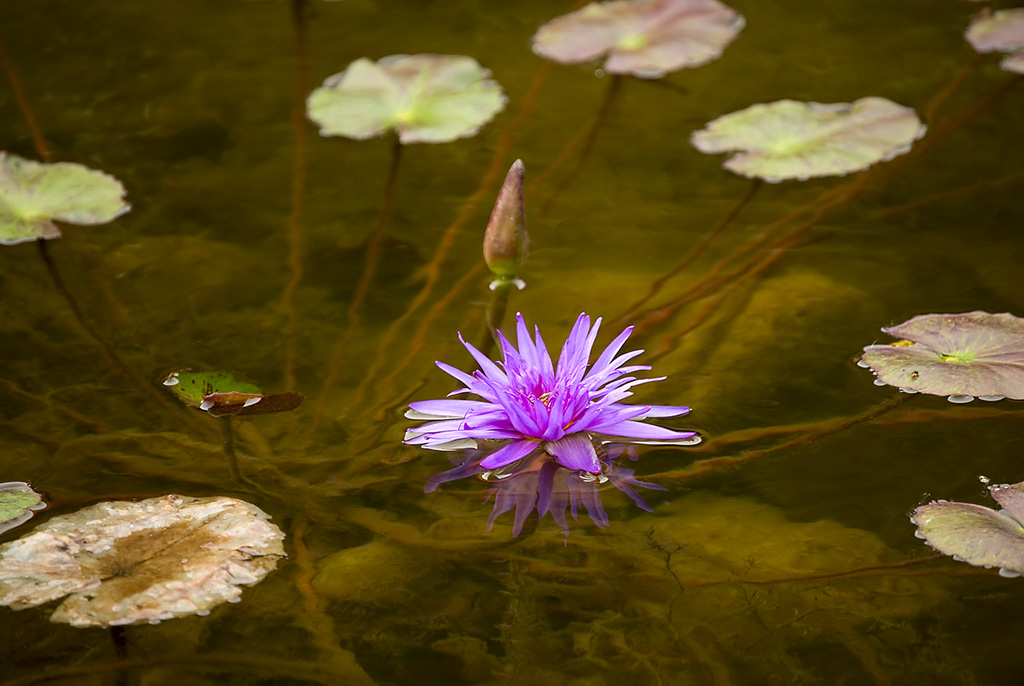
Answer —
(534, 405)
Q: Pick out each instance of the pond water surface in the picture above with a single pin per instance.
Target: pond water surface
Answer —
(257, 246)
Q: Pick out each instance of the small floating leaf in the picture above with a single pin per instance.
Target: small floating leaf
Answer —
(977, 534)
(645, 38)
(974, 354)
(424, 98)
(34, 195)
(234, 404)
(18, 502)
(222, 395)
(193, 387)
(132, 562)
(1001, 31)
(788, 139)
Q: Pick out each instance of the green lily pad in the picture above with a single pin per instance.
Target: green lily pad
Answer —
(977, 534)
(788, 139)
(132, 562)
(424, 98)
(645, 38)
(963, 356)
(222, 395)
(1001, 31)
(18, 502)
(34, 195)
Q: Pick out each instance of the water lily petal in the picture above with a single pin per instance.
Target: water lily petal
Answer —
(575, 451)
(516, 450)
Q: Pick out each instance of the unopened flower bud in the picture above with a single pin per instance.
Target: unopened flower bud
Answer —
(505, 238)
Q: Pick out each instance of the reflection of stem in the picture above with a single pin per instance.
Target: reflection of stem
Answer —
(315, 617)
(120, 641)
(716, 464)
(295, 237)
(374, 246)
(26, 109)
(657, 284)
(145, 388)
(432, 270)
(236, 472)
(229, 449)
(579, 147)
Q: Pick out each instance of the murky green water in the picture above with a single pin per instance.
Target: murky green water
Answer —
(246, 249)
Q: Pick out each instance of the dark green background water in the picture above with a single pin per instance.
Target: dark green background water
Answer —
(245, 248)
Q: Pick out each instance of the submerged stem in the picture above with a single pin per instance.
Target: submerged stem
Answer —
(658, 283)
(23, 104)
(295, 233)
(494, 315)
(579, 146)
(140, 384)
(716, 464)
(433, 269)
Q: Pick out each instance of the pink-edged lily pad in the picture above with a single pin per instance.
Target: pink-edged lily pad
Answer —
(645, 38)
(423, 98)
(34, 195)
(977, 534)
(789, 139)
(1001, 31)
(220, 394)
(963, 356)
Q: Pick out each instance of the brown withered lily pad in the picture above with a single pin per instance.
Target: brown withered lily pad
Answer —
(134, 562)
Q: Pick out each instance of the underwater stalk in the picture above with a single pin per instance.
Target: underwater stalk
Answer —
(295, 232)
(353, 312)
(433, 269)
(579, 147)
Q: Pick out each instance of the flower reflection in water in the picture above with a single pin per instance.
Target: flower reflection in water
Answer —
(540, 482)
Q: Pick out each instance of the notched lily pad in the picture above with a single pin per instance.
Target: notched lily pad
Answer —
(18, 502)
(133, 562)
(34, 195)
(645, 38)
(977, 534)
(424, 98)
(1001, 31)
(788, 139)
(222, 395)
(963, 356)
